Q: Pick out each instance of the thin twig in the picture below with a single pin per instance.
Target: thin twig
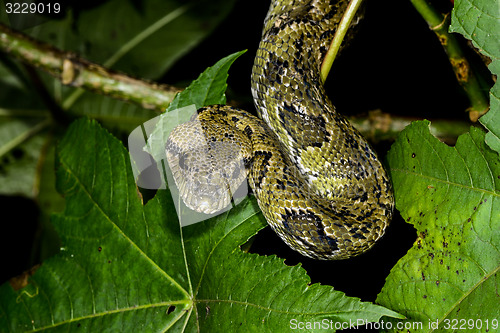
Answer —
(379, 126)
(344, 24)
(466, 77)
(77, 72)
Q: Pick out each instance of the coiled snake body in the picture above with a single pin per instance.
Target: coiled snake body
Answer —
(318, 183)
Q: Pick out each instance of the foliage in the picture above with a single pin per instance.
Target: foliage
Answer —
(208, 89)
(127, 266)
(124, 265)
(478, 20)
(167, 29)
(452, 197)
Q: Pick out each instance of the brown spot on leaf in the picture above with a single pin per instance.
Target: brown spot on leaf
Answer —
(21, 281)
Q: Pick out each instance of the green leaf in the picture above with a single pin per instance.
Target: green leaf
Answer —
(156, 34)
(165, 124)
(124, 266)
(108, 269)
(114, 114)
(209, 88)
(490, 119)
(479, 21)
(22, 135)
(452, 197)
(20, 150)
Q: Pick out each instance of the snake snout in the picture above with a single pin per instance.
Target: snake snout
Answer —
(207, 174)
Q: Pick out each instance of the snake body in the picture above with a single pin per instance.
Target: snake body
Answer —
(317, 181)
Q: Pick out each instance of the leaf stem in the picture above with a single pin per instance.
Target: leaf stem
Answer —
(78, 72)
(338, 38)
(466, 77)
(144, 34)
(379, 126)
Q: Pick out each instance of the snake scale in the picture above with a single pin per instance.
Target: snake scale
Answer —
(318, 182)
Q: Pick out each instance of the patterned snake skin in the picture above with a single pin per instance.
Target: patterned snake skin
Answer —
(318, 183)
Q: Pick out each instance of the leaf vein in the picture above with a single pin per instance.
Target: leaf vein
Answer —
(121, 232)
(214, 247)
(445, 181)
(109, 312)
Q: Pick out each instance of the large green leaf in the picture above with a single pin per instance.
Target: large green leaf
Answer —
(479, 21)
(124, 266)
(452, 197)
(209, 88)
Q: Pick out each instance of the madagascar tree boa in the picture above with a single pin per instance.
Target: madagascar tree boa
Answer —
(318, 182)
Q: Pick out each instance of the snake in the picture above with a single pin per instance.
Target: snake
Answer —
(317, 181)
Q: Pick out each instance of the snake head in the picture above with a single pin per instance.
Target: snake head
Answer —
(207, 168)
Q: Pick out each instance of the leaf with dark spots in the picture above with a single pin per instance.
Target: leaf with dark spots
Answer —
(452, 271)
